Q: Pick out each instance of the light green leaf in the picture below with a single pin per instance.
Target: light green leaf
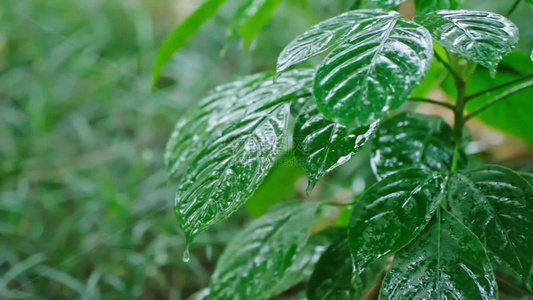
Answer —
(412, 140)
(478, 36)
(446, 261)
(320, 145)
(182, 33)
(497, 205)
(374, 70)
(332, 277)
(426, 6)
(234, 161)
(388, 4)
(202, 294)
(259, 256)
(391, 214)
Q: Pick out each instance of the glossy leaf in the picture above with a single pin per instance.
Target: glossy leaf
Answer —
(259, 256)
(412, 140)
(320, 145)
(426, 6)
(332, 277)
(374, 70)
(478, 36)
(179, 37)
(497, 205)
(388, 4)
(446, 261)
(391, 214)
(233, 163)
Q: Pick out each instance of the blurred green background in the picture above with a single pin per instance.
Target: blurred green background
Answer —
(85, 205)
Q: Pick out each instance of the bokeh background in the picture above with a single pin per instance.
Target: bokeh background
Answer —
(85, 205)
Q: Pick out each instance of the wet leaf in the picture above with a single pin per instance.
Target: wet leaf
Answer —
(446, 261)
(320, 145)
(482, 37)
(179, 37)
(332, 277)
(388, 4)
(234, 160)
(374, 70)
(391, 214)
(426, 6)
(497, 205)
(259, 256)
(413, 140)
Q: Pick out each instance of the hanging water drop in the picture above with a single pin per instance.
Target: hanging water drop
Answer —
(186, 255)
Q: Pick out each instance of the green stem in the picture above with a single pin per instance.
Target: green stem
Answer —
(448, 67)
(492, 89)
(444, 104)
(330, 203)
(459, 122)
(513, 8)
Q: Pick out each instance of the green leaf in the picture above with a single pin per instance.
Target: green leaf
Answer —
(497, 205)
(320, 145)
(234, 162)
(412, 140)
(251, 17)
(425, 6)
(259, 256)
(446, 261)
(182, 33)
(391, 214)
(332, 277)
(374, 70)
(388, 4)
(478, 36)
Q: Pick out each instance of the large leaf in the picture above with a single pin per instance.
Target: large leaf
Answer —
(412, 140)
(321, 145)
(497, 205)
(388, 4)
(426, 6)
(446, 261)
(233, 163)
(374, 70)
(332, 277)
(482, 37)
(258, 257)
(182, 33)
(391, 214)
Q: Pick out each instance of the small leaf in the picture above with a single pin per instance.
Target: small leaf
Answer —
(391, 214)
(374, 70)
(446, 261)
(332, 277)
(413, 140)
(259, 256)
(497, 205)
(233, 162)
(182, 33)
(425, 6)
(202, 294)
(388, 4)
(320, 145)
(482, 37)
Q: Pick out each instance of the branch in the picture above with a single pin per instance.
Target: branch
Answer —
(492, 89)
(444, 104)
(448, 67)
(513, 8)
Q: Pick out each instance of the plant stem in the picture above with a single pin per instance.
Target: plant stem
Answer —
(458, 122)
(448, 67)
(444, 104)
(492, 89)
(513, 8)
(330, 203)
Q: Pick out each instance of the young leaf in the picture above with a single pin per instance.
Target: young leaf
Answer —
(259, 256)
(412, 140)
(332, 277)
(482, 37)
(388, 4)
(391, 214)
(446, 261)
(232, 164)
(374, 70)
(425, 6)
(321, 145)
(497, 205)
(182, 33)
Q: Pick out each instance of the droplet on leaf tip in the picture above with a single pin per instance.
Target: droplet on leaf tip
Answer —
(186, 255)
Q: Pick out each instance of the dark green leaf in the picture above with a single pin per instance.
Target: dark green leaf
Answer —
(446, 261)
(332, 277)
(497, 205)
(425, 6)
(233, 163)
(388, 4)
(321, 145)
(374, 70)
(182, 33)
(391, 214)
(482, 37)
(412, 140)
(259, 256)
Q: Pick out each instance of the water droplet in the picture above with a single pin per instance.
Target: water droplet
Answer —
(186, 255)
